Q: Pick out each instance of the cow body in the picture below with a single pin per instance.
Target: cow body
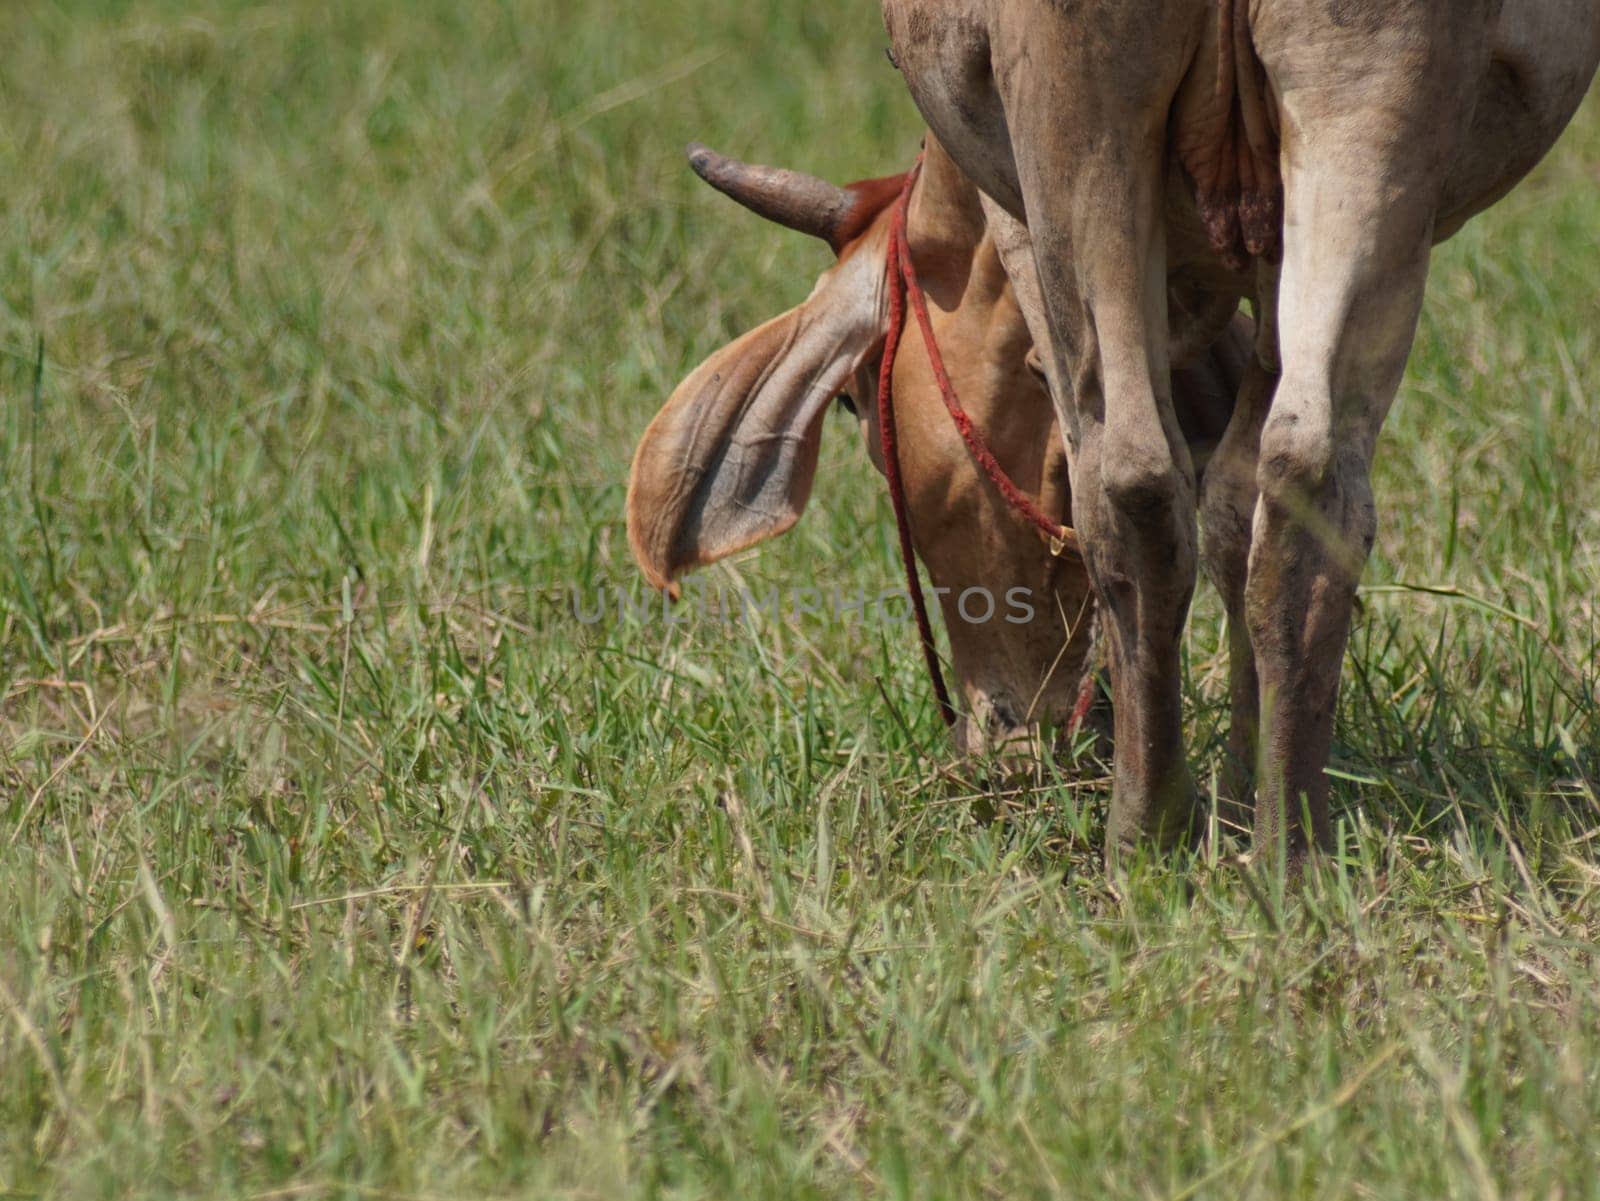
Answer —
(1148, 163)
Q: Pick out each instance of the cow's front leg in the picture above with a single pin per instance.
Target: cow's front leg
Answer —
(1133, 505)
(1366, 146)
(1094, 211)
(1135, 516)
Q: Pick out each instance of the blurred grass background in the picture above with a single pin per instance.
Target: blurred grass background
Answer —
(340, 859)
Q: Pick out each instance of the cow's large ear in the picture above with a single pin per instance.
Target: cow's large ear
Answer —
(730, 459)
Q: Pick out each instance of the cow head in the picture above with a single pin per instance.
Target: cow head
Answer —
(731, 459)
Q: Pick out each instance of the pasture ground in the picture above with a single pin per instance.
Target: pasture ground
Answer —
(338, 858)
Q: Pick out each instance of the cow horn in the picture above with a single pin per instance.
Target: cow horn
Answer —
(792, 199)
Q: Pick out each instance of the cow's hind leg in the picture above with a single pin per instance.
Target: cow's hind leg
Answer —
(1227, 512)
(1089, 141)
(1365, 152)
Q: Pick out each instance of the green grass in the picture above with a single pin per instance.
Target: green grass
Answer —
(338, 859)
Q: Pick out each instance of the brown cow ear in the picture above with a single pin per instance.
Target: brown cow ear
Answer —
(730, 460)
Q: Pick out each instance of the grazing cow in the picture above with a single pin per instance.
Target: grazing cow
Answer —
(730, 460)
(1148, 163)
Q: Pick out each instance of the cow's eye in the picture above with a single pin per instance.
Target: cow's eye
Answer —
(848, 404)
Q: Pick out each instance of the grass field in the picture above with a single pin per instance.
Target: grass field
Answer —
(339, 858)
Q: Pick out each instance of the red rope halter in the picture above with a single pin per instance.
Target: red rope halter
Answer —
(902, 279)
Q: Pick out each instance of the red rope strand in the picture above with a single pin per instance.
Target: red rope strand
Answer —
(891, 450)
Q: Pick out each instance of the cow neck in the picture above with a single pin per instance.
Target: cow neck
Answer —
(903, 288)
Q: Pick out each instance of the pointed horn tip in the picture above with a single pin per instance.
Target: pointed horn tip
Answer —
(701, 157)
